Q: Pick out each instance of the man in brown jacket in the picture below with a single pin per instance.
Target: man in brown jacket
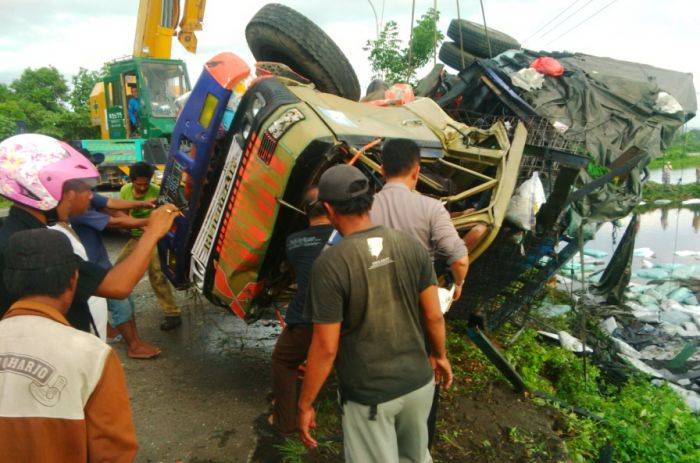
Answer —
(63, 392)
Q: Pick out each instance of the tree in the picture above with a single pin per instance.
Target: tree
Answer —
(82, 84)
(7, 127)
(393, 62)
(38, 98)
(45, 86)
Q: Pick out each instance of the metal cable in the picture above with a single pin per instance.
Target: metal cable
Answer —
(486, 29)
(461, 39)
(435, 31)
(376, 18)
(410, 42)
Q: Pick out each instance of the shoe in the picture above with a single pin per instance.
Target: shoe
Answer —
(170, 323)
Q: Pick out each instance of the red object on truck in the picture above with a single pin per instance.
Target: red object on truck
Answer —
(548, 66)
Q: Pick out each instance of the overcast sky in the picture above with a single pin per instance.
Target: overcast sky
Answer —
(69, 34)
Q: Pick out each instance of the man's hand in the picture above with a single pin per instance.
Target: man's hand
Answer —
(149, 203)
(307, 422)
(161, 220)
(458, 292)
(443, 371)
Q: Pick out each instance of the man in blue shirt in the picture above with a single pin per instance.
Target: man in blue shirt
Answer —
(89, 227)
(303, 248)
(134, 107)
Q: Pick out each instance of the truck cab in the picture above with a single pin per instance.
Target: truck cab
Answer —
(156, 83)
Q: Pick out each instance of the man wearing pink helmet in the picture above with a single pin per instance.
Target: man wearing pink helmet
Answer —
(46, 178)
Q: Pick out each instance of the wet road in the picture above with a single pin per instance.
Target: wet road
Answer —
(198, 401)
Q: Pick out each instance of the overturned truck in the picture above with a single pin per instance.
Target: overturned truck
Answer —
(589, 134)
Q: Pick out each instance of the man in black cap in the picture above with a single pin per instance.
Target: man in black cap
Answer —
(303, 248)
(64, 392)
(371, 297)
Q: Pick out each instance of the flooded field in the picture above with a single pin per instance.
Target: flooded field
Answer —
(663, 230)
(683, 175)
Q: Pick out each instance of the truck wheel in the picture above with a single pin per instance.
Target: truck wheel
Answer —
(279, 33)
(474, 38)
(451, 55)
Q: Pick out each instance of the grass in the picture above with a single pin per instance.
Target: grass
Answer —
(677, 160)
(4, 203)
(642, 421)
(676, 193)
(684, 152)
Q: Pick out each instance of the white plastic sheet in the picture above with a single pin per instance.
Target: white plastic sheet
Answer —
(528, 79)
(526, 202)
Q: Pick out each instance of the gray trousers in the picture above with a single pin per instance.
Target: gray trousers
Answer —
(398, 435)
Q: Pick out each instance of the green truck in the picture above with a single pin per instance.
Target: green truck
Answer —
(156, 84)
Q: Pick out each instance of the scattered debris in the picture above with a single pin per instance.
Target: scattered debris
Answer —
(644, 252)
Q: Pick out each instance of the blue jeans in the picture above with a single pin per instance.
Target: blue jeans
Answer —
(120, 310)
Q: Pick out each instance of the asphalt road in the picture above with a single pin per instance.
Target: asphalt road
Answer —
(198, 401)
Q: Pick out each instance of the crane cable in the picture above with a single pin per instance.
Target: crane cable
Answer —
(461, 39)
(410, 42)
(585, 20)
(435, 32)
(551, 21)
(486, 29)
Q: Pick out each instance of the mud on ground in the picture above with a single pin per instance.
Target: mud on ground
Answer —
(199, 400)
(494, 425)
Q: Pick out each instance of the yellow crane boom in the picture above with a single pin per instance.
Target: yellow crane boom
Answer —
(157, 24)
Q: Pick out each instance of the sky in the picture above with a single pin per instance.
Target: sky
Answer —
(70, 34)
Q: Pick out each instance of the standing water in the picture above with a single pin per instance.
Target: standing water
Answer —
(663, 230)
(683, 175)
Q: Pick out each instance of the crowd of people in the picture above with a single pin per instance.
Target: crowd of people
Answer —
(366, 305)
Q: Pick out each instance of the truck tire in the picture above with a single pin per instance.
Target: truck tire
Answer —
(279, 33)
(451, 55)
(474, 41)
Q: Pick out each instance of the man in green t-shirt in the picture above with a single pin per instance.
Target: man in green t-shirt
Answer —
(141, 189)
(373, 301)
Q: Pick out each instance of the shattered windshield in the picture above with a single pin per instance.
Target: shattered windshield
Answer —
(164, 82)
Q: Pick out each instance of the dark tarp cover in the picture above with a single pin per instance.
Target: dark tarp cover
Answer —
(609, 107)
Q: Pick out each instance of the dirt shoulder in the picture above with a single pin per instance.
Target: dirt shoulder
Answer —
(199, 400)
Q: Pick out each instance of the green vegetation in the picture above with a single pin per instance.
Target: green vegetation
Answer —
(41, 100)
(643, 422)
(391, 61)
(4, 203)
(676, 193)
(683, 152)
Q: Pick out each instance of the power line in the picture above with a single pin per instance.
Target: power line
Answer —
(551, 20)
(577, 25)
(556, 26)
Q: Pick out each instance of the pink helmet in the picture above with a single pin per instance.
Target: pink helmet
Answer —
(33, 169)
